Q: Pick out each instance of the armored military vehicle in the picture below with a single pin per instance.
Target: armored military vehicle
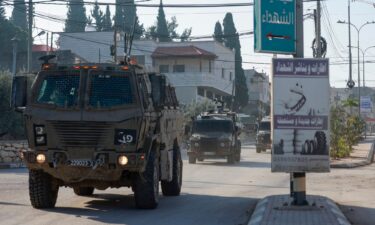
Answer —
(99, 126)
(263, 136)
(215, 135)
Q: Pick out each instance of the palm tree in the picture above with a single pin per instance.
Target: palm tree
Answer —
(350, 102)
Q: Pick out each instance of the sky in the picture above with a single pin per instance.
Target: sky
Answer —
(202, 21)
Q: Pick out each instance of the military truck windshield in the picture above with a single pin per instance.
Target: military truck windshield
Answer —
(59, 90)
(265, 126)
(110, 90)
(202, 126)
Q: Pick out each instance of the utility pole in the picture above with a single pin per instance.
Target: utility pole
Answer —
(115, 45)
(299, 179)
(350, 47)
(30, 37)
(318, 30)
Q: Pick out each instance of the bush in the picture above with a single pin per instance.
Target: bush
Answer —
(11, 122)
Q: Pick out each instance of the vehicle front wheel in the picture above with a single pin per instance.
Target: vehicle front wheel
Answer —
(146, 185)
(84, 191)
(42, 191)
(173, 188)
(192, 159)
(258, 149)
(230, 159)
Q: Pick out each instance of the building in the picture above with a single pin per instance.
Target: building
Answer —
(199, 70)
(258, 85)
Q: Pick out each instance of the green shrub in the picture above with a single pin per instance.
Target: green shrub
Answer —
(11, 122)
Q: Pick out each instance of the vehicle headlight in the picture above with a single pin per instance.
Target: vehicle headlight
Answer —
(196, 144)
(40, 140)
(40, 158)
(222, 144)
(39, 130)
(40, 135)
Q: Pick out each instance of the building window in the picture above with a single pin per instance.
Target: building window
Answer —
(179, 68)
(164, 68)
(210, 95)
(200, 91)
(209, 66)
(230, 76)
(222, 73)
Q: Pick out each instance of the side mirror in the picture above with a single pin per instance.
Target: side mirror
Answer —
(158, 85)
(19, 93)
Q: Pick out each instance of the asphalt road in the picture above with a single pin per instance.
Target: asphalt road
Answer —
(213, 193)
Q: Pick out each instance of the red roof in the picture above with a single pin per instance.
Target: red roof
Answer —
(41, 48)
(182, 51)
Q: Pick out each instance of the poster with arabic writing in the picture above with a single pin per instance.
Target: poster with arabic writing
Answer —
(300, 115)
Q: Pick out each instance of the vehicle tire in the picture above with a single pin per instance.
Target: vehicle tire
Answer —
(320, 143)
(238, 153)
(146, 185)
(43, 193)
(258, 149)
(200, 159)
(230, 159)
(173, 188)
(84, 191)
(307, 147)
(192, 159)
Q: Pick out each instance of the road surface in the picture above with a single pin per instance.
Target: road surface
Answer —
(213, 193)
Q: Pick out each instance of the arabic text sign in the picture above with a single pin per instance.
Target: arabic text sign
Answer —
(275, 26)
(300, 115)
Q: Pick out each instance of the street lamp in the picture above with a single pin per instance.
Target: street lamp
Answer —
(363, 61)
(359, 76)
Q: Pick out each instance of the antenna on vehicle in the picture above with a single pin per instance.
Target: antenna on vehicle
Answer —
(128, 41)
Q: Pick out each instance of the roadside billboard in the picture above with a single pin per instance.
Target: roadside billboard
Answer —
(300, 115)
(366, 104)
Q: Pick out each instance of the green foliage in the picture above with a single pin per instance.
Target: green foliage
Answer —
(218, 33)
(162, 31)
(8, 31)
(107, 21)
(119, 15)
(98, 16)
(196, 108)
(232, 41)
(76, 19)
(172, 25)
(130, 13)
(2, 11)
(11, 122)
(19, 16)
(346, 131)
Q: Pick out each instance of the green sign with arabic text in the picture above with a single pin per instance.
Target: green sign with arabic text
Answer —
(275, 26)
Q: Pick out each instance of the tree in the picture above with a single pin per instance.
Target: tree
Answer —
(130, 13)
(107, 21)
(11, 122)
(172, 25)
(232, 41)
(162, 32)
(19, 16)
(98, 16)
(76, 19)
(119, 15)
(2, 12)
(218, 33)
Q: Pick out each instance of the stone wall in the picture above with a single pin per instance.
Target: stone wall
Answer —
(10, 151)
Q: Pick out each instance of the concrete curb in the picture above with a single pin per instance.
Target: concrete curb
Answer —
(259, 213)
(11, 165)
(367, 161)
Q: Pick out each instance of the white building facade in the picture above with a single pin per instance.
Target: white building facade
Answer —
(198, 69)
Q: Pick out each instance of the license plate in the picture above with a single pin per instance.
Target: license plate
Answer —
(80, 162)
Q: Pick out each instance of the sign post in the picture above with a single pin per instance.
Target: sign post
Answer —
(275, 26)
